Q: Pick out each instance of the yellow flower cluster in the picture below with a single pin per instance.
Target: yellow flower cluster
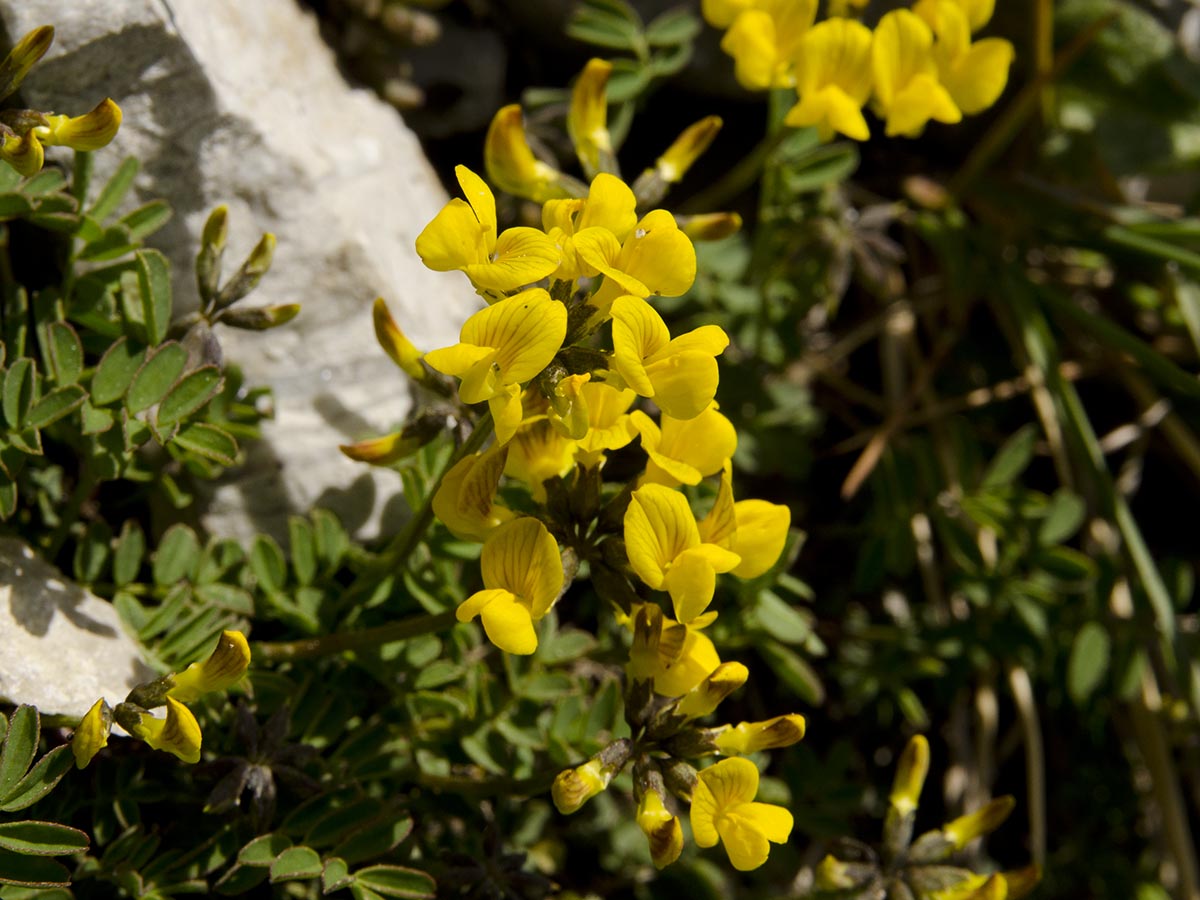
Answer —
(917, 65)
(568, 343)
(24, 133)
(177, 732)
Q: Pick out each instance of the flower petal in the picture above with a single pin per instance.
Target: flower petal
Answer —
(454, 239)
(522, 256)
(638, 333)
(762, 530)
(522, 556)
(658, 527)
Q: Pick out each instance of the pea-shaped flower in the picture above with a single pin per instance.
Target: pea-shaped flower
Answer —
(833, 79)
(463, 236)
(502, 347)
(665, 550)
(655, 258)
(908, 91)
(680, 375)
(682, 451)
(522, 577)
(723, 809)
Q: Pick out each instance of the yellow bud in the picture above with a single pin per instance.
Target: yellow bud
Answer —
(833, 875)
(686, 149)
(24, 153)
(216, 229)
(568, 406)
(575, 787)
(587, 120)
(92, 733)
(710, 226)
(225, 666)
(395, 343)
(177, 733)
(983, 821)
(90, 131)
(510, 162)
(22, 58)
(662, 830)
(750, 737)
(708, 694)
(910, 775)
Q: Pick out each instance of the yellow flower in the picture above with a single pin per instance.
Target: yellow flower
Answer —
(975, 74)
(655, 258)
(510, 162)
(91, 131)
(92, 733)
(463, 237)
(910, 775)
(567, 408)
(587, 119)
(751, 737)
(465, 500)
(708, 694)
(833, 79)
(680, 375)
(574, 787)
(224, 667)
(682, 451)
(522, 577)
(982, 821)
(764, 41)
(662, 829)
(908, 91)
(537, 452)
(502, 347)
(723, 808)
(753, 529)
(23, 152)
(610, 205)
(177, 733)
(675, 657)
(665, 550)
(610, 426)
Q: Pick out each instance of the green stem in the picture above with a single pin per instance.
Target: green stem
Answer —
(364, 639)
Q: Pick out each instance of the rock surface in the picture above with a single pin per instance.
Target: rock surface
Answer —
(61, 647)
(241, 103)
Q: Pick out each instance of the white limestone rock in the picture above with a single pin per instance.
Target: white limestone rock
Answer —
(241, 103)
(61, 647)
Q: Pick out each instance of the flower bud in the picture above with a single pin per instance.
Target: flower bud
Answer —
(750, 737)
(982, 821)
(834, 875)
(910, 775)
(177, 733)
(575, 787)
(587, 120)
(511, 165)
(92, 733)
(662, 830)
(686, 149)
(707, 695)
(23, 57)
(396, 344)
(710, 226)
(91, 131)
(22, 152)
(226, 665)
